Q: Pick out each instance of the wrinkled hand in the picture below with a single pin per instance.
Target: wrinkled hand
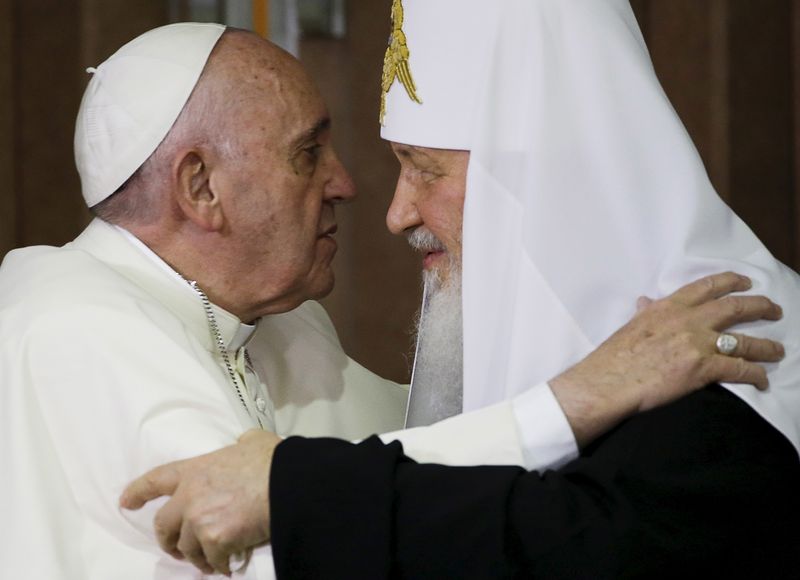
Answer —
(219, 504)
(666, 351)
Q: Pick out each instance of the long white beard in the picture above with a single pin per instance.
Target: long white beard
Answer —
(437, 389)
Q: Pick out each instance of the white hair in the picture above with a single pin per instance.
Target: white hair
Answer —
(438, 367)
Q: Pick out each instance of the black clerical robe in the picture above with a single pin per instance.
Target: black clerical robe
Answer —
(701, 488)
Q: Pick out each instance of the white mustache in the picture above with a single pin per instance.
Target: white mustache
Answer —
(423, 240)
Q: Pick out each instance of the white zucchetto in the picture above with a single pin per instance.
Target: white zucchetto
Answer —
(132, 101)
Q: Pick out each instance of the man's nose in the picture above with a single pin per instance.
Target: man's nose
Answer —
(403, 212)
(340, 186)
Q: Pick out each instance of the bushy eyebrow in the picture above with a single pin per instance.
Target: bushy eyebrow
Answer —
(415, 155)
(310, 134)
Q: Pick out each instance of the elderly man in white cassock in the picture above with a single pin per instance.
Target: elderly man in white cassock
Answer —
(180, 318)
(541, 124)
(155, 335)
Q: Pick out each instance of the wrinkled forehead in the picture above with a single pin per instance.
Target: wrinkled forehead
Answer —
(265, 91)
(436, 63)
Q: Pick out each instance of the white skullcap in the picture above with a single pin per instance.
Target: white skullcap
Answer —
(443, 48)
(133, 100)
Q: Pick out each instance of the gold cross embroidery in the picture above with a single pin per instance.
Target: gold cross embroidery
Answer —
(395, 62)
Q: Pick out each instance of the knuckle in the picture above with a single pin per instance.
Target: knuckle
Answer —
(150, 480)
(762, 303)
(742, 369)
(737, 306)
(214, 537)
(160, 526)
(207, 536)
(732, 307)
(710, 283)
(189, 550)
(706, 370)
(745, 347)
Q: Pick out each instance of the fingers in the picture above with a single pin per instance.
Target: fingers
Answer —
(167, 525)
(726, 369)
(155, 483)
(190, 547)
(731, 310)
(758, 349)
(219, 558)
(205, 546)
(710, 288)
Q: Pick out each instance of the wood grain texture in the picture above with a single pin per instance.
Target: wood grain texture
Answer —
(8, 209)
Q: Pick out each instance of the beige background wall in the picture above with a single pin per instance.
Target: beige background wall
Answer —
(731, 68)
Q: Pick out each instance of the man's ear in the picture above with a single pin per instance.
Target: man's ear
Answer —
(196, 199)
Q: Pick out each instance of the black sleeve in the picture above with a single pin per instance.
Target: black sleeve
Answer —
(700, 487)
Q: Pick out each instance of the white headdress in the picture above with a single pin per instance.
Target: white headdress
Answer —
(133, 100)
(584, 192)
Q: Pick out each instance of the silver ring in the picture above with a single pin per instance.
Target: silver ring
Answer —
(726, 344)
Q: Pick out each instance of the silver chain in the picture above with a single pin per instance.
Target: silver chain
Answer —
(221, 347)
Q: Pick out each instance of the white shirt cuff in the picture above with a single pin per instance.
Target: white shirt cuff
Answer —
(547, 439)
(487, 436)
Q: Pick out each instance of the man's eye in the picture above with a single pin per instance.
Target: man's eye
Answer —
(429, 176)
(425, 175)
(313, 151)
(305, 161)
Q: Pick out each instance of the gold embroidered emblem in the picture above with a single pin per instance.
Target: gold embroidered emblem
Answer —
(395, 62)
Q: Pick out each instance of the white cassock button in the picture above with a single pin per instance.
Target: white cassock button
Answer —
(261, 404)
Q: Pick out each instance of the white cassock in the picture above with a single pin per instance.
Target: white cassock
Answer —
(107, 369)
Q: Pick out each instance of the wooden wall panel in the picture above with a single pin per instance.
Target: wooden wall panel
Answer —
(108, 24)
(761, 140)
(44, 49)
(796, 125)
(688, 45)
(8, 214)
(727, 67)
(47, 95)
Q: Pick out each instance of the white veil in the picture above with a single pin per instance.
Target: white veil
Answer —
(584, 192)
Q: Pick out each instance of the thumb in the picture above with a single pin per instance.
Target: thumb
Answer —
(155, 483)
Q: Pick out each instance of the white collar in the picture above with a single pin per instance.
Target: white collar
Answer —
(241, 332)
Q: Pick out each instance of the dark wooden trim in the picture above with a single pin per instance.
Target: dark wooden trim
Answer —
(795, 56)
(761, 121)
(8, 206)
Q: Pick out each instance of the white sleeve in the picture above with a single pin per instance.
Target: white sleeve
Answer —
(487, 436)
(120, 394)
(530, 430)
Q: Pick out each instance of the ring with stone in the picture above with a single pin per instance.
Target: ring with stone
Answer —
(726, 344)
